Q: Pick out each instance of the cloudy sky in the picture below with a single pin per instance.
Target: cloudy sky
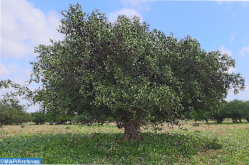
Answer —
(218, 25)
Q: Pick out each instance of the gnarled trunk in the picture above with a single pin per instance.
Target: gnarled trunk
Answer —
(1, 123)
(132, 130)
(131, 125)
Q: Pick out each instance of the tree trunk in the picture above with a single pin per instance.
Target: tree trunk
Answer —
(219, 120)
(132, 130)
(1, 123)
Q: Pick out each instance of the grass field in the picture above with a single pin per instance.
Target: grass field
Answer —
(226, 143)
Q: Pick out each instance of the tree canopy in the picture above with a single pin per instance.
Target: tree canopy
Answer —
(10, 109)
(12, 112)
(236, 110)
(125, 70)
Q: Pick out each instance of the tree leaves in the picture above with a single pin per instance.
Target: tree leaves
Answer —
(129, 69)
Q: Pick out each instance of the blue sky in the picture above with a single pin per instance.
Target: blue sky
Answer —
(218, 25)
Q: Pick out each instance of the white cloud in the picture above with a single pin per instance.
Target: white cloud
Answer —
(128, 12)
(231, 70)
(140, 4)
(19, 70)
(225, 51)
(15, 72)
(244, 51)
(130, 2)
(13, 67)
(4, 71)
(24, 27)
(232, 37)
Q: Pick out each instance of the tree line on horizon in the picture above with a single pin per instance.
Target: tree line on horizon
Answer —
(11, 112)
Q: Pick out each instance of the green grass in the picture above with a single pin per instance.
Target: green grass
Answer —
(76, 144)
(106, 148)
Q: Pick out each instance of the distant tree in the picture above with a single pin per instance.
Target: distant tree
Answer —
(139, 75)
(10, 109)
(200, 115)
(12, 112)
(4, 115)
(57, 117)
(236, 110)
(26, 117)
(97, 116)
(79, 119)
(90, 118)
(221, 113)
(38, 117)
(246, 112)
(22, 117)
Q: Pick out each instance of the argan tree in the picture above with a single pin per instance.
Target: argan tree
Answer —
(38, 117)
(10, 109)
(12, 112)
(221, 113)
(124, 70)
(246, 111)
(236, 110)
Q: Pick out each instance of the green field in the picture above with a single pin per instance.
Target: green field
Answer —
(212, 143)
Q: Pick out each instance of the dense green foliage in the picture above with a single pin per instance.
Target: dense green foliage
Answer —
(89, 119)
(38, 117)
(246, 112)
(11, 112)
(126, 71)
(220, 114)
(57, 117)
(83, 119)
(235, 110)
